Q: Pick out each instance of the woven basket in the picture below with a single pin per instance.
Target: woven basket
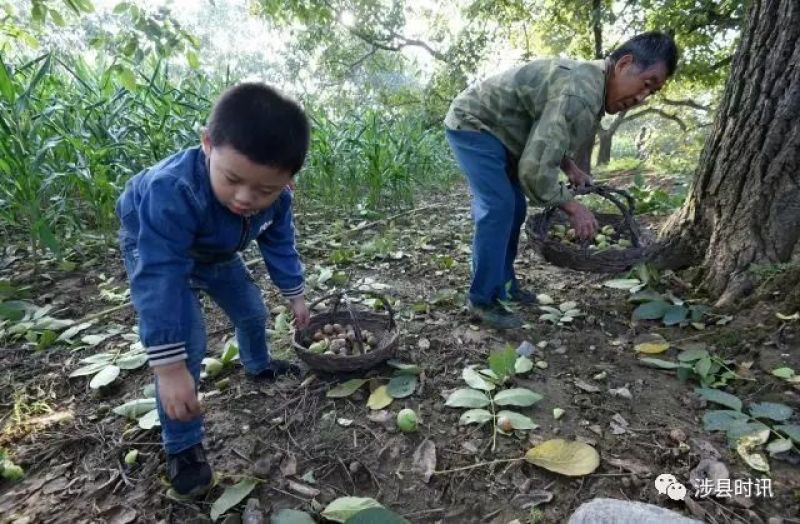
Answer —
(382, 326)
(581, 257)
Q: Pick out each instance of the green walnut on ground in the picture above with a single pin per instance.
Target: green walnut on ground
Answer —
(335, 339)
(607, 238)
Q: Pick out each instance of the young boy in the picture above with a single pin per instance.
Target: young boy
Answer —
(512, 133)
(184, 221)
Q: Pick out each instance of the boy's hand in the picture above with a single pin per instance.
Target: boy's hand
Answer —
(177, 392)
(300, 310)
(581, 219)
(578, 178)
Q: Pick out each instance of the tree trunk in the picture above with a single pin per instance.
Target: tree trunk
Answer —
(744, 205)
(604, 147)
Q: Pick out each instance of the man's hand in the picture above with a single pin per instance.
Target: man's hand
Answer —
(300, 310)
(576, 176)
(177, 392)
(581, 219)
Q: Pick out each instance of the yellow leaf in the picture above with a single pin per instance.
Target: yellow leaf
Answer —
(566, 457)
(795, 316)
(651, 344)
(746, 444)
(379, 399)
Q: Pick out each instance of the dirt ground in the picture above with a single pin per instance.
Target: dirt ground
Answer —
(280, 432)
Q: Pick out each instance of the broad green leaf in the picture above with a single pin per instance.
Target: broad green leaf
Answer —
(651, 344)
(232, 496)
(135, 408)
(703, 366)
(149, 420)
(74, 330)
(721, 420)
(344, 508)
(660, 363)
(134, 361)
(523, 365)
(502, 362)
(291, 516)
(106, 376)
(651, 310)
(402, 367)
(474, 416)
(13, 310)
(230, 353)
(379, 399)
(783, 372)
(518, 420)
(565, 457)
(346, 389)
(790, 430)
(771, 410)
(127, 78)
(376, 516)
(99, 358)
(690, 355)
(675, 315)
(645, 295)
(720, 397)
(402, 386)
(622, 283)
(742, 428)
(467, 398)
(6, 85)
(192, 59)
(89, 369)
(46, 340)
(149, 390)
(779, 446)
(517, 397)
(93, 340)
(475, 380)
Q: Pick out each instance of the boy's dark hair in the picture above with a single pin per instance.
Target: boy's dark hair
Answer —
(263, 124)
(648, 49)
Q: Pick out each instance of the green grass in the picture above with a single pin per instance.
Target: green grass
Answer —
(72, 134)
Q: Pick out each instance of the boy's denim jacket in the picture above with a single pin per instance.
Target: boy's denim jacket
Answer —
(170, 216)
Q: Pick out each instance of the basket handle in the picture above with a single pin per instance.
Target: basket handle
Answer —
(615, 196)
(374, 294)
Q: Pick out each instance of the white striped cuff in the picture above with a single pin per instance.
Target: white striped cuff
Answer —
(166, 354)
(294, 292)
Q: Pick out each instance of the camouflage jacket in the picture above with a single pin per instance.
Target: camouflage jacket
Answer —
(541, 111)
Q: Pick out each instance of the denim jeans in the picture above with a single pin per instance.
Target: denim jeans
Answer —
(498, 210)
(232, 288)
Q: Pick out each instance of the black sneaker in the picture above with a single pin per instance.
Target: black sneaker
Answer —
(189, 472)
(526, 298)
(279, 368)
(495, 316)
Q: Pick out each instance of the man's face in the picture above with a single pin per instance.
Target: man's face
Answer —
(241, 185)
(628, 85)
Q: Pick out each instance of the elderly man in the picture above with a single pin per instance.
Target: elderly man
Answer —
(513, 132)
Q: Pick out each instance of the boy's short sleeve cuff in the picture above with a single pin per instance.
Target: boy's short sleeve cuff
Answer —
(166, 354)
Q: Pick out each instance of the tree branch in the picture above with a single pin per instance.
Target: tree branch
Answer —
(686, 103)
(659, 112)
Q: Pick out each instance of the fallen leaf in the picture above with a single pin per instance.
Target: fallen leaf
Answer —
(650, 344)
(565, 457)
(425, 459)
(745, 448)
(232, 496)
(289, 465)
(379, 399)
(346, 388)
(343, 508)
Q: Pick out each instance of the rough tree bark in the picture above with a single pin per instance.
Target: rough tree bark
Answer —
(744, 205)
